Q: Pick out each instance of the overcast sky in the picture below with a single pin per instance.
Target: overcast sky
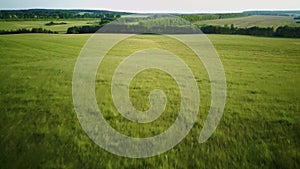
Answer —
(186, 6)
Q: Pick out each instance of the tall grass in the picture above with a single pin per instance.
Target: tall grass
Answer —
(259, 129)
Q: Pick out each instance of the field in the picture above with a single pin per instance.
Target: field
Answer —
(255, 20)
(39, 127)
(13, 25)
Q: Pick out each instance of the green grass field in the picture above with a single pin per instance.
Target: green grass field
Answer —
(249, 21)
(259, 129)
(13, 25)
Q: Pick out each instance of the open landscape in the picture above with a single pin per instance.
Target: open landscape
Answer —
(259, 129)
(254, 20)
(61, 28)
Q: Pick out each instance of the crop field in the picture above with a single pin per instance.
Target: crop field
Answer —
(249, 21)
(39, 127)
(13, 25)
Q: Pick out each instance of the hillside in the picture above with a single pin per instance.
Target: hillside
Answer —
(255, 20)
(259, 129)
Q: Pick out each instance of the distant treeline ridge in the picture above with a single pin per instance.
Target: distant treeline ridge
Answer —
(133, 29)
(35, 14)
(23, 30)
(282, 31)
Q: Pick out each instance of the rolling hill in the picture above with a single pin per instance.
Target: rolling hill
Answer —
(255, 20)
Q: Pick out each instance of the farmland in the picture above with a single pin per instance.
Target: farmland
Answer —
(13, 25)
(39, 128)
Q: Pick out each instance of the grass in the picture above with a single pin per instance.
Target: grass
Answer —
(256, 20)
(259, 129)
(13, 25)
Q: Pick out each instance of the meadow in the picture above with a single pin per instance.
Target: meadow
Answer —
(259, 129)
(254, 20)
(13, 25)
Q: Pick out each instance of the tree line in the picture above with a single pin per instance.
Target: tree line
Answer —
(33, 14)
(202, 17)
(83, 29)
(23, 30)
(282, 31)
(274, 13)
(133, 29)
(55, 23)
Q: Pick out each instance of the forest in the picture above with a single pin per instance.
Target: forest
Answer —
(37, 14)
(282, 31)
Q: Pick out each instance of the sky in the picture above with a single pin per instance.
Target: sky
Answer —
(169, 6)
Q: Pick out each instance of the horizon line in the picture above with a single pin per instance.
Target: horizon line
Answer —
(145, 12)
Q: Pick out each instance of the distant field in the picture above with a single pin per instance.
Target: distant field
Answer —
(12, 25)
(261, 21)
(249, 21)
(259, 129)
